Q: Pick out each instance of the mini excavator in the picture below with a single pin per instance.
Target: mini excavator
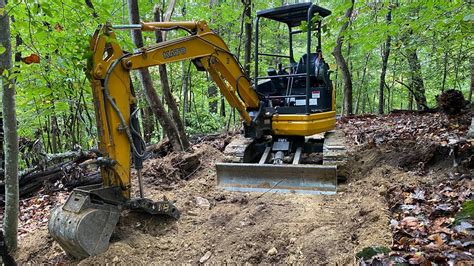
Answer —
(281, 110)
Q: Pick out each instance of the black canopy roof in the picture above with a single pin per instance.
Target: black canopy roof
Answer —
(292, 14)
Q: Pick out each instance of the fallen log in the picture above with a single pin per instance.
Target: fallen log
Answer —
(70, 173)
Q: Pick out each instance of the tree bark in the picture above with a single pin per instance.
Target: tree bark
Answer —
(248, 34)
(222, 109)
(184, 88)
(165, 86)
(148, 123)
(212, 100)
(469, 97)
(445, 70)
(417, 85)
(385, 55)
(341, 62)
(147, 84)
(362, 83)
(417, 79)
(10, 134)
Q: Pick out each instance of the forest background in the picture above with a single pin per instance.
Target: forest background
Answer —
(427, 46)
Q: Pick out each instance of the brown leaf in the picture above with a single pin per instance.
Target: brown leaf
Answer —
(437, 239)
(58, 27)
(33, 58)
(409, 222)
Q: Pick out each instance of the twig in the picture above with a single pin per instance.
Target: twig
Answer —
(268, 190)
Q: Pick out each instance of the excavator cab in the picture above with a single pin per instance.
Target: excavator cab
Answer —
(302, 85)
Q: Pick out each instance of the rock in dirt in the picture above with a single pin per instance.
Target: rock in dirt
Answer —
(206, 257)
(272, 252)
(203, 202)
(192, 213)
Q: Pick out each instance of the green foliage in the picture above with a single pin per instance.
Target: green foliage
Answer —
(466, 213)
(57, 88)
(369, 252)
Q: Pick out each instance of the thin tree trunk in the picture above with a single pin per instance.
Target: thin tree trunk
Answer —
(385, 55)
(410, 101)
(11, 136)
(469, 97)
(445, 70)
(362, 83)
(54, 134)
(212, 99)
(359, 92)
(148, 124)
(248, 34)
(147, 83)
(222, 110)
(184, 87)
(341, 62)
(165, 86)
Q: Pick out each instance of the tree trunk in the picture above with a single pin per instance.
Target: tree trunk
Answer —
(248, 34)
(222, 109)
(385, 55)
(212, 100)
(11, 136)
(362, 83)
(165, 86)
(445, 70)
(417, 80)
(184, 87)
(417, 86)
(145, 78)
(148, 123)
(469, 97)
(341, 62)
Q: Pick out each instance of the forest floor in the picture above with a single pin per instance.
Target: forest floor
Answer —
(410, 174)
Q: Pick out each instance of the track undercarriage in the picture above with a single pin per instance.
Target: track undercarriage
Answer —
(310, 165)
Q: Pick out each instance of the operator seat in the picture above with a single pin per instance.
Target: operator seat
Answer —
(318, 70)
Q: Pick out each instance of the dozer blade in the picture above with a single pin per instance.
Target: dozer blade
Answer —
(82, 227)
(300, 179)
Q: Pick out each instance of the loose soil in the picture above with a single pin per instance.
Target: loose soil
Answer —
(256, 227)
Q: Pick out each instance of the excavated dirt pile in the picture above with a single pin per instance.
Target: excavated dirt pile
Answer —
(391, 157)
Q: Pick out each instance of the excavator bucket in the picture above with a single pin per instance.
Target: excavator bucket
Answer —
(82, 227)
(84, 224)
(299, 178)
